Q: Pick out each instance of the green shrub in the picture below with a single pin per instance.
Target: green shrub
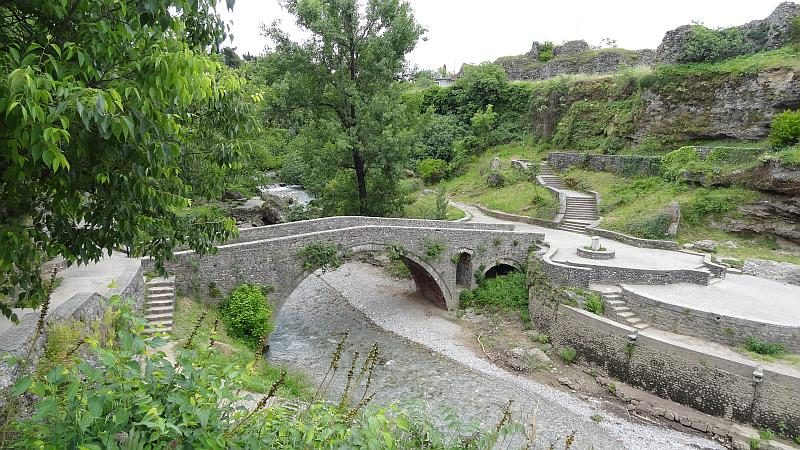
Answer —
(320, 255)
(507, 292)
(711, 203)
(568, 354)
(433, 249)
(789, 157)
(246, 314)
(432, 170)
(649, 227)
(595, 303)
(707, 45)
(763, 348)
(546, 51)
(785, 130)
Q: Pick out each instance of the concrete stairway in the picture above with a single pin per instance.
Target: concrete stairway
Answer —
(159, 304)
(581, 209)
(617, 309)
(580, 213)
(549, 178)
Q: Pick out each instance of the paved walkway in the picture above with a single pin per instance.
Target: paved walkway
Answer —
(567, 243)
(739, 296)
(97, 277)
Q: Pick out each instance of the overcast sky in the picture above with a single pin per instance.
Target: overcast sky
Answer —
(473, 31)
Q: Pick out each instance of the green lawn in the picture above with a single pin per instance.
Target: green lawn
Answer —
(627, 202)
(519, 195)
(259, 374)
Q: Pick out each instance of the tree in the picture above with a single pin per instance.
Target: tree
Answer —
(96, 101)
(231, 58)
(344, 73)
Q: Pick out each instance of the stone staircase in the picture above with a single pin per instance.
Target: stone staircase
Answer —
(581, 209)
(159, 304)
(617, 309)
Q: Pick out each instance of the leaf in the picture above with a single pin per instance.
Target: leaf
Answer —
(22, 386)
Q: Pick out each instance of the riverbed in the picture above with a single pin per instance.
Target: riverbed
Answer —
(424, 358)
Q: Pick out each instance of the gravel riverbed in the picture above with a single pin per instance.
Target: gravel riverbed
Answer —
(425, 358)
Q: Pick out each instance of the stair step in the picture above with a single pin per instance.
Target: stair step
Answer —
(620, 309)
(641, 325)
(161, 282)
(632, 320)
(160, 302)
(159, 317)
(626, 314)
(156, 289)
(615, 303)
(156, 310)
(164, 296)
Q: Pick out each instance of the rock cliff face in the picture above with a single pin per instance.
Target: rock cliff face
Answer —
(766, 34)
(738, 106)
(573, 57)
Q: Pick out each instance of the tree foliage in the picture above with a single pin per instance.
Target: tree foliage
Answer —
(96, 101)
(342, 79)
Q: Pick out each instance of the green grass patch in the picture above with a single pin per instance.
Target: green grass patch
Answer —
(519, 194)
(424, 207)
(259, 374)
(755, 345)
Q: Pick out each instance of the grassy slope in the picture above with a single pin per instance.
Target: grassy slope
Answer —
(518, 196)
(262, 376)
(624, 200)
(424, 207)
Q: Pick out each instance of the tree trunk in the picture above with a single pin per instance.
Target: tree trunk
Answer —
(361, 177)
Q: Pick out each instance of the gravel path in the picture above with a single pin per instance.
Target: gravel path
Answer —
(423, 358)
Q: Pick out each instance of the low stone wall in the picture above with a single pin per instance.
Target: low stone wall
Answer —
(563, 274)
(614, 275)
(627, 165)
(675, 371)
(712, 327)
(338, 222)
(517, 218)
(84, 306)
(631, 240)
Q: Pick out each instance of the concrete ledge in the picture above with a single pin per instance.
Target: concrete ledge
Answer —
(631, 240)
(517, 218)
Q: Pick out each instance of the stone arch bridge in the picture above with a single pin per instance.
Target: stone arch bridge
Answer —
(442, 256)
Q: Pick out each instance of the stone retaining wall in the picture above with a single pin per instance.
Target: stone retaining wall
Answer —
(675, 371)
(631, 240)
(563, 274)
(626, 165)
(732, 331)
(602, 274)
(517, 218)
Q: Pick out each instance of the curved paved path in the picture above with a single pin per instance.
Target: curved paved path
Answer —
(424, 357)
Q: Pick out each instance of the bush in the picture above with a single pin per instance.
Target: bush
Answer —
(504, 292)
(432, 170)
(594, 303)
(568, 354)
(649, 227)
(320, 255)
(246, 314)
(707, 45)
(785, 129)
(710, 203)
(755, 345)
(546, 51)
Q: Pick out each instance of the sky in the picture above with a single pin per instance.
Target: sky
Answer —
(473, 31)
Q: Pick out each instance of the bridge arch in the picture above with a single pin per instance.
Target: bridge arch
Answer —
(503, 266)
(464, 273)
(428, 280)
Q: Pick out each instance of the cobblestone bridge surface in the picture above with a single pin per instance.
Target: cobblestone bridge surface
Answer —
(423, 358)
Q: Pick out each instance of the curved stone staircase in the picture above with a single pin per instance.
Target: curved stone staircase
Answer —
(581, 208)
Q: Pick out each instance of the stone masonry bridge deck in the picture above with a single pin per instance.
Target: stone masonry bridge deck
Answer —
(443, 257)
